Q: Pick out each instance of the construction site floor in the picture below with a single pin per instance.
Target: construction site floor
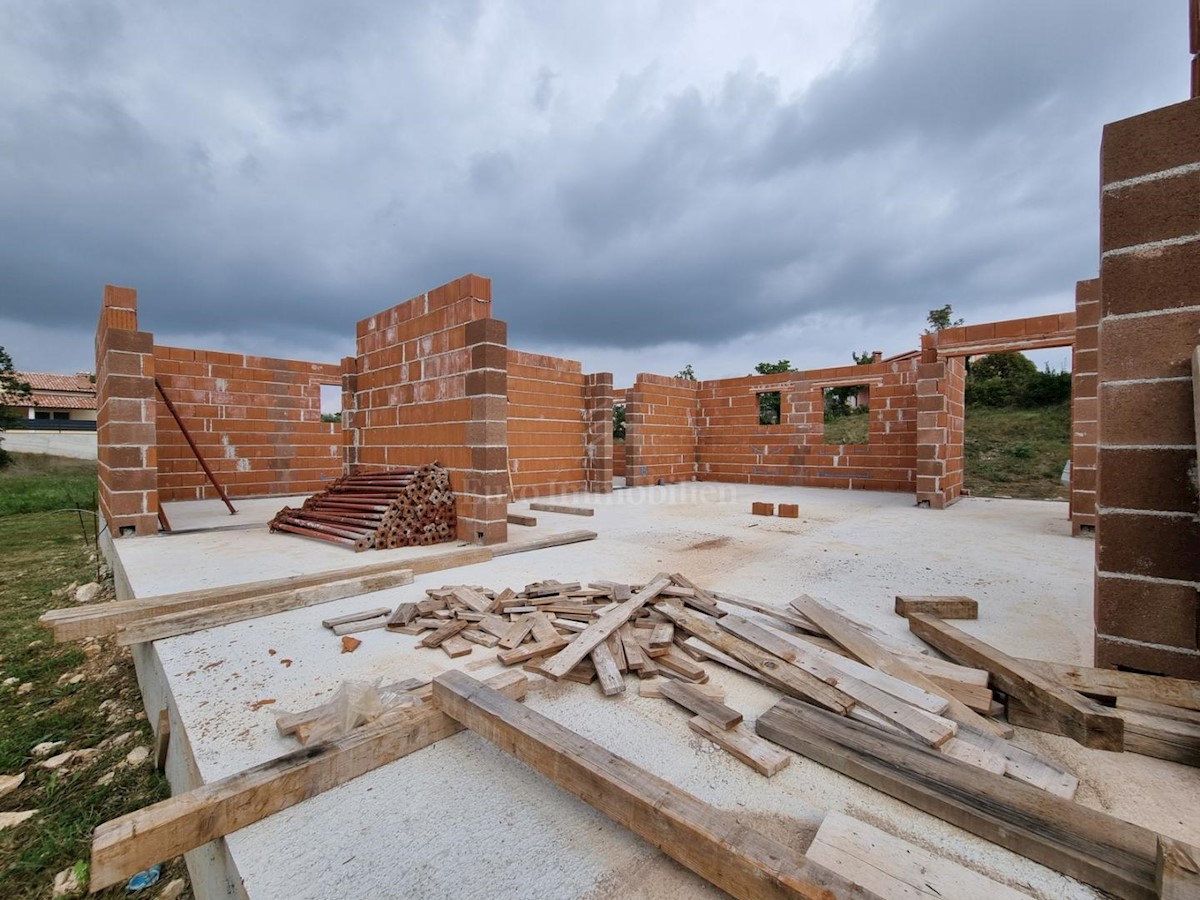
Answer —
(462, 819)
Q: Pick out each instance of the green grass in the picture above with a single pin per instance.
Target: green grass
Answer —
(1017, 452)
(43, 552)
(37, 483)
(848, 429)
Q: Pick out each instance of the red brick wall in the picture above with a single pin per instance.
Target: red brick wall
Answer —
(661, 430)
(256, 420)
(1034, 333)
(618, 459)
(547, 431)
(941, 386)
(734, 447)
(598, 451)
(1085, 408)
(1147, 531)
(125, 400)
(430, 383)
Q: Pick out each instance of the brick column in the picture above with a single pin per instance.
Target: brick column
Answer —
(1085, 409)
(1147, 530)
(941, 385)
(598, 451)
(126, 453)
(349, 414)
(483, 506)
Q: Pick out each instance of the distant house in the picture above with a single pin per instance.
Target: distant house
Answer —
(55, 400)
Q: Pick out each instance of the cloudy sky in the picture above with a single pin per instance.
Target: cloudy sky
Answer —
(647, 184)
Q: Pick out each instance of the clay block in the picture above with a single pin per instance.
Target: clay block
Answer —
(762, 509)
(789, 510)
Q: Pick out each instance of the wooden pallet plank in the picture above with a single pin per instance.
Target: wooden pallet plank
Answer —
(708, 841)
(564, 510)
(744, 745)
(1110, 684)
(1082, 719)
(611, 682)
(1177, 868)
(942, 607)
(127, 845)
(699, 704)
(587, 641)
(1091, 846)
(895, 869)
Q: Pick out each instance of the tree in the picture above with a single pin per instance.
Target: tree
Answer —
(863, 359)
(687, 372)
(12, 388)
(618, 421)
(1009, 366)
(940, 319)
(775, 368)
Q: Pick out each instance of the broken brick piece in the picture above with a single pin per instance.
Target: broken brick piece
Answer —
(350, 644)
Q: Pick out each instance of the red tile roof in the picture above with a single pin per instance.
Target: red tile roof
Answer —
(52, 391)
(48, 381)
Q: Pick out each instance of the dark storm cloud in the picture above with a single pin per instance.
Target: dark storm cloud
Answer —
(285, 169)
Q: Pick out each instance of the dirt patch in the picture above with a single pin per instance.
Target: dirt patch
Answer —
(712, 544)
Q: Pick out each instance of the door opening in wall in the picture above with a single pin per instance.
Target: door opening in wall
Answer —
(847, 415)
(1017, 425)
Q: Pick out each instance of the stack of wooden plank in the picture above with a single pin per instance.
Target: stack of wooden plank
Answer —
(386, 509)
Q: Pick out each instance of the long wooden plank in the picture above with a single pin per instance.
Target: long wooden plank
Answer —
(870, 653)
(1082, 719)
(942, 607)
(595, 634)
(784, 675)
(1110, 683)
(553, 540)
(895, 869)
(174, 624)
(1177, 867)
(99, 619)
(925, 727)
(125, 846)
(710, 842)
(566, 510)
(1092, 846)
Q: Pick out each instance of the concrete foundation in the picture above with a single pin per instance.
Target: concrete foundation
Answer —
(462, 819)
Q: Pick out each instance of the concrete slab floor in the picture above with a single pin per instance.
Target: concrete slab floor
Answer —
(462, 819)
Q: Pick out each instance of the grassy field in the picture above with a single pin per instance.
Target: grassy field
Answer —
(1017, 452)
(44, 552)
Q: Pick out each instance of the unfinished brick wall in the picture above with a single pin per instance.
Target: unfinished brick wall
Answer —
(661, 437)
(1085, 406)
(734, 446)
(126, 458)
(256, 420)
(598, 449)
(1147, 531)
(430, 383)
(547, 424)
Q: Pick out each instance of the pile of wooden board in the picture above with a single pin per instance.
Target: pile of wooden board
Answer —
(386, 509)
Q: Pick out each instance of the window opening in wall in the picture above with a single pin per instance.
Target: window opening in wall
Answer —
(331, 403)
(847, 419)
(769, 403)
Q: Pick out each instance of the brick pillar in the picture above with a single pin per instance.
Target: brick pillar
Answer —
(1085, 408)
(598, 452)
(1147, 530)
(349, 414)
(126, 449)
(483, 508)
(941, 385)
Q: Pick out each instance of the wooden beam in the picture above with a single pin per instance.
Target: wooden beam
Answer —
(871, 653)
(165, 626)
(783, 675)
(710, 842)
(895, 869)
(744, 745)
(1144, 734)
(1082, 719)
(566, 510)
(1111, 684)
(942, 607)
(125, 846)
(553, 540)
(528, 521)
(1091, 846)
(595, 634)
(1177, 870)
